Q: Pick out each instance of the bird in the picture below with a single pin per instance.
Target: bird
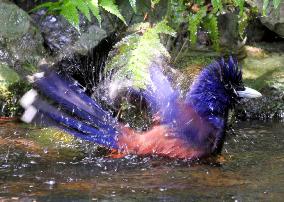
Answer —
(184, 127)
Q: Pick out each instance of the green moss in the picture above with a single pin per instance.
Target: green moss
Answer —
(7, 76)
(50, 136)
(133, 55)
(9, 96)
(188, 59)
(266, 71)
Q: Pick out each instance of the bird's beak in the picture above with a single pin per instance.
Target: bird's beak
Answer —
(249, 93)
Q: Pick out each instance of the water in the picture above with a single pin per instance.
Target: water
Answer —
(250, 169)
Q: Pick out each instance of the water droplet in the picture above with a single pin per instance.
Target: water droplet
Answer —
(50, 182)
(163, 189)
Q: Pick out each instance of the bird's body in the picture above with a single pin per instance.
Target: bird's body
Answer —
(188, 128)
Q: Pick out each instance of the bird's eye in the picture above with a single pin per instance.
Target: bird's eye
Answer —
(228, 86)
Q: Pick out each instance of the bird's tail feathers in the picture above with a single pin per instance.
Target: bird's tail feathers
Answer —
(78, 114)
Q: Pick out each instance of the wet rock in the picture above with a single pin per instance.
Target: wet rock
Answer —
(27, 5)
(264, 71)
(11, 89)
(229, 32)
(21, 44)
(270, 106)
(255, 30)
(21, 47)
(7, 76)
(64, 40)
(274, 19)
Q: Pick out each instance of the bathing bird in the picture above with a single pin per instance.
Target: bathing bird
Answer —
(189, 127)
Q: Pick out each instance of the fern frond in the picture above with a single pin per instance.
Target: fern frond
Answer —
(276, 3)
(70, 13)
(50, 6)
(211, 24)
(111, 7)
(69, 9)
(135, 53)
(243, 23)
(133, 5)
(177, 13)
(240, 4)
(163, 28)
(194, 23)
(154, 3)
(94, 7)
(217, 5)
(264, 7)
(82, 6)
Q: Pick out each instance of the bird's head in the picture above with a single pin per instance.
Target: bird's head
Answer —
(231, 78)
(218, 88)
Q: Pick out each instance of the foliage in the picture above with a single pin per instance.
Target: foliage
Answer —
(133, 5)
(193, 24)
(197, 14)
(154, 2)
(201, 14)
(134, 53)
(9, 96)
(211, 24)
(69, 9)
(275, 3)
(7, 75)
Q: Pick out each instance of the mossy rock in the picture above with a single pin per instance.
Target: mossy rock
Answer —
(264, 72)
(11, 89)
(7, 76)
(21, 42)
(15, 22)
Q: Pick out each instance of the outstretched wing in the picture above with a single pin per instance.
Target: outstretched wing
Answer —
(161, 96)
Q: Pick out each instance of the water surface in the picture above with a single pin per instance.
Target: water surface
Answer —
(250, 169)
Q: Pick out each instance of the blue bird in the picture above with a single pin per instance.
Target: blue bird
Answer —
(189, 128)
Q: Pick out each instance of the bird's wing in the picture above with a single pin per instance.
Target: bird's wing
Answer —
(160, 95)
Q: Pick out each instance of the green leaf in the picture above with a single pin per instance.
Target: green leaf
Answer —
(7, 75)
(193, 24)
(70, 13)
(82, 6)
(163, 28)
(111, 7)
(177, 13)
(133, 5)
(264, 7)
(243, 23)
(211, 24)
(276, 3)
(94, 7)
(217, 5)
(47, 5)
(154, 3)
(240, 4)
(135, 53)
(199, 2)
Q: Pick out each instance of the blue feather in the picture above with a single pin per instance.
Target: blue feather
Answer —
(75, 126)
(75, 101)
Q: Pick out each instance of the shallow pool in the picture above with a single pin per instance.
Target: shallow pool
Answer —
(250, 169)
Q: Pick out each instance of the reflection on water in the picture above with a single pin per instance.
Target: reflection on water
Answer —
(251, 169)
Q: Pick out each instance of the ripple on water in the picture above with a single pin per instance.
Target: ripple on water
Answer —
(251, 169)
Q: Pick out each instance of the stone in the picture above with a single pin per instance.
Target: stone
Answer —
(63, 40)
(21, 44)
(263, 71)
(14, 21)
(7, 76)
(274, 18)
